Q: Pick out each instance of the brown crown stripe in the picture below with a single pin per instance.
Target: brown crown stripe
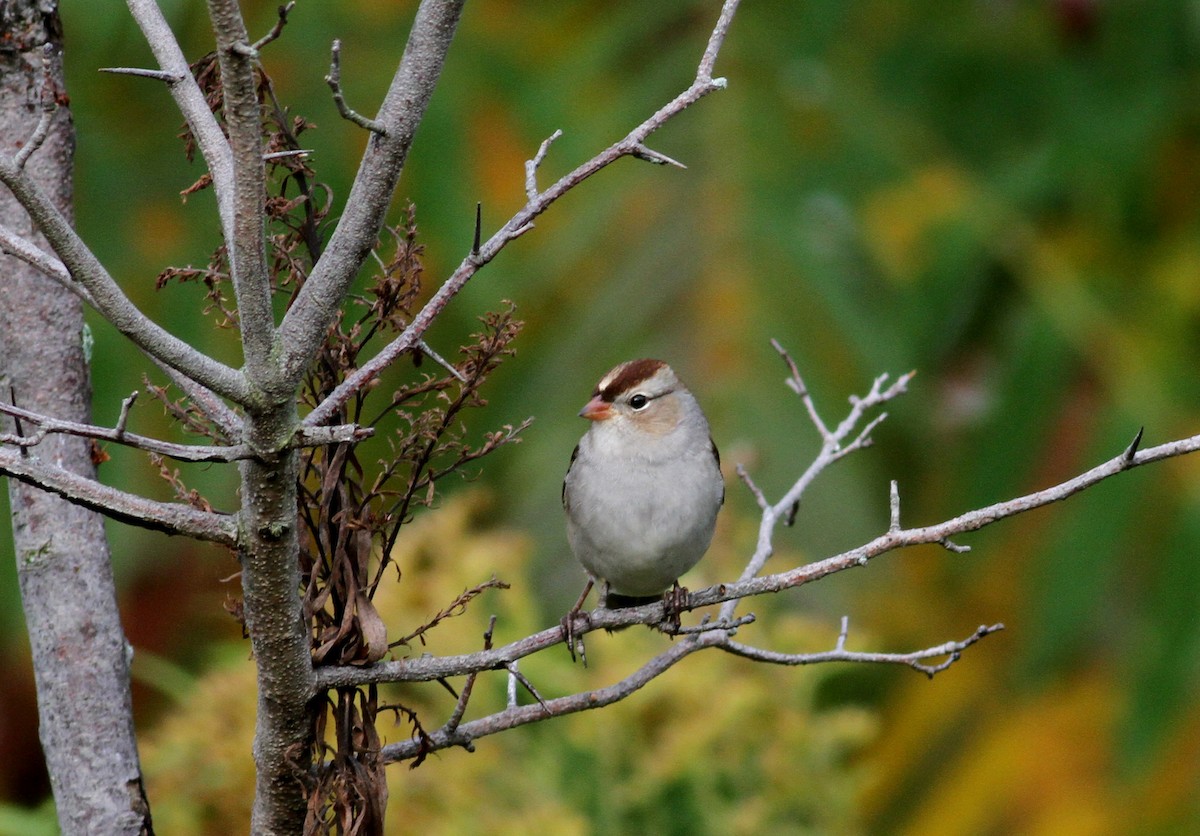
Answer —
(626, 376)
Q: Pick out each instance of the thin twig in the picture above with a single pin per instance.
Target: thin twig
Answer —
(277, 29)
(305, 437)
(460, 707)
(833, 448)
(759, 496)
(334, 80)
(951, 650)
(295, 152)
(123, 418)
(532, 166)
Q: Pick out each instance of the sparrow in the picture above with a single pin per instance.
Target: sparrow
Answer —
(644, 484)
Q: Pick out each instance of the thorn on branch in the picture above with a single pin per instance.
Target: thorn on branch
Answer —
(277, 29)
(643, 152)
(790, 520)
(514, 676)
(279, 155)
(158, 75)
(1131, 450)
(441, 361)
(334, 80)
(478, 229)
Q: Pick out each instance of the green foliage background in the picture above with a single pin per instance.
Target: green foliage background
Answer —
(1001, 194)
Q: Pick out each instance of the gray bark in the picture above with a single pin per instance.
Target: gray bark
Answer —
(80, 655)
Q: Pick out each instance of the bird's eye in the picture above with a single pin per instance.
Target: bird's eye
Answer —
(639, 401)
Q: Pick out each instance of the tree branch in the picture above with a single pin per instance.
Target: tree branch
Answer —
(304, 325)
(107, 296)
(519, 715)
(456, 733)
(633, 144)
(832, 449)
(168, 517)
(432, 667)
(334, 80)
(305, 437)
(22, 248)
(916, 659)
(247, 255)
(190, 100)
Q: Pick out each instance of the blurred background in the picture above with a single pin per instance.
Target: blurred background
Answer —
(1003, 195)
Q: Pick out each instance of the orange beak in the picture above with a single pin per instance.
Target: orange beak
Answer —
(597, 409)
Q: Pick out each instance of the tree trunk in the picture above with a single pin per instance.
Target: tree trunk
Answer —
(80, 656)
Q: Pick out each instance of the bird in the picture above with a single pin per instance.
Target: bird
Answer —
(644, 485)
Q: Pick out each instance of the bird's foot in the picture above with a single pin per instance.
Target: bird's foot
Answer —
(676, 601)
(571, 636)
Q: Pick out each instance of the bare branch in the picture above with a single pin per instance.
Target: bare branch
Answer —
(531, 169)
(460, 707)
(301, 329)
(190, 100)
(123, 418)
(428, 668)
(894, 504)
(428, 351)
(305, 437)
(759, 496)
(304, 326)
(334, 80)
(796, 384)
(832, 449)
(277, 29)
(213, 408)
(107, 296)
(169, 517)
(13, 244)
(247, 256)
(951, 650)
(519, 715)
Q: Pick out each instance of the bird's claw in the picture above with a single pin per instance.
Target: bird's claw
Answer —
(676, 601)
(574, 639)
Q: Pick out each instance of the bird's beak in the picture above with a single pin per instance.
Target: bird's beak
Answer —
(597, 409)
